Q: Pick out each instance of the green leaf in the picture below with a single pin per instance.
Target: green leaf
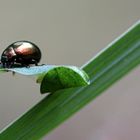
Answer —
(63, 77)
(105, 69)
(53, 77)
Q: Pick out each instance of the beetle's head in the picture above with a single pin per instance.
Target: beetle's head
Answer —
(8, 55)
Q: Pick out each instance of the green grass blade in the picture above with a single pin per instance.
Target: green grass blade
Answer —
(106, 68)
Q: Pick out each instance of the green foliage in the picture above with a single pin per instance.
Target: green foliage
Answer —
(105, 69)
(53, 78)
(62, 78)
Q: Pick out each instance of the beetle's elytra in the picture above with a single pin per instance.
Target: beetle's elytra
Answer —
(22, 53)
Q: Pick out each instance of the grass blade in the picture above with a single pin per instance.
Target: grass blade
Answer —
(106, 68)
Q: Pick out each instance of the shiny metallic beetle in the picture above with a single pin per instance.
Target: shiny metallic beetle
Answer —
(20, 53)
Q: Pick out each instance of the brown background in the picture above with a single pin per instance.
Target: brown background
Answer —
(71, 32)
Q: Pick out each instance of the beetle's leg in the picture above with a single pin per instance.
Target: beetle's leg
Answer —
(7, 64)
(34, 62)
(3, 65)
(11, 64)
(13, 73)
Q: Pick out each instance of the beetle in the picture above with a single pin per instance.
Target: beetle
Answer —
(20, 53)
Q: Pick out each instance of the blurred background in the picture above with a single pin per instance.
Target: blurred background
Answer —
(72, 32)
